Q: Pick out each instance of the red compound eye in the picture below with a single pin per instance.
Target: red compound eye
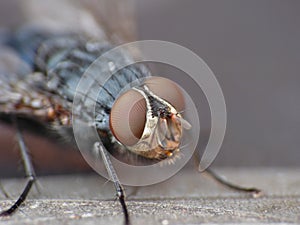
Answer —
(128, 117)
(128, 114)
(167, 90)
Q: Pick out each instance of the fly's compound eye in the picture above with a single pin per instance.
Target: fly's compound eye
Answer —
(128, 117)
(147, 119)
(167, 90)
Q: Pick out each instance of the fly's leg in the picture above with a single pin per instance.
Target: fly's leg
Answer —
(255, 192)
(113, 176)
(29, 172)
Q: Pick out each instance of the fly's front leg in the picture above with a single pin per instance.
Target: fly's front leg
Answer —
(29, 172)
(113, 176)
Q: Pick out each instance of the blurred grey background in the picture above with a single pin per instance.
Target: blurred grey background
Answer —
(253, 47)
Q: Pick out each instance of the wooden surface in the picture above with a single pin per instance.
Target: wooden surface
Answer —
(187, 198)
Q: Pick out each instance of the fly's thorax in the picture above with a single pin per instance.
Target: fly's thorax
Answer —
(147, 119)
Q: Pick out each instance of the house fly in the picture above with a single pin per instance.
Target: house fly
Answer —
(43, 56)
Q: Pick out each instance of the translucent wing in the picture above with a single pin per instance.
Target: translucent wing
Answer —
(117, 17)
(113, 19)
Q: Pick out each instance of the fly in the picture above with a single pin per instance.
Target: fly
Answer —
(41, 64)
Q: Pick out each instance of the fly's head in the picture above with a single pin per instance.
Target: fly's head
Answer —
(147, 119)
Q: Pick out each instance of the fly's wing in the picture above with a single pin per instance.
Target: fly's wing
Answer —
(22, 90)
(110, 19)
(117, 17)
